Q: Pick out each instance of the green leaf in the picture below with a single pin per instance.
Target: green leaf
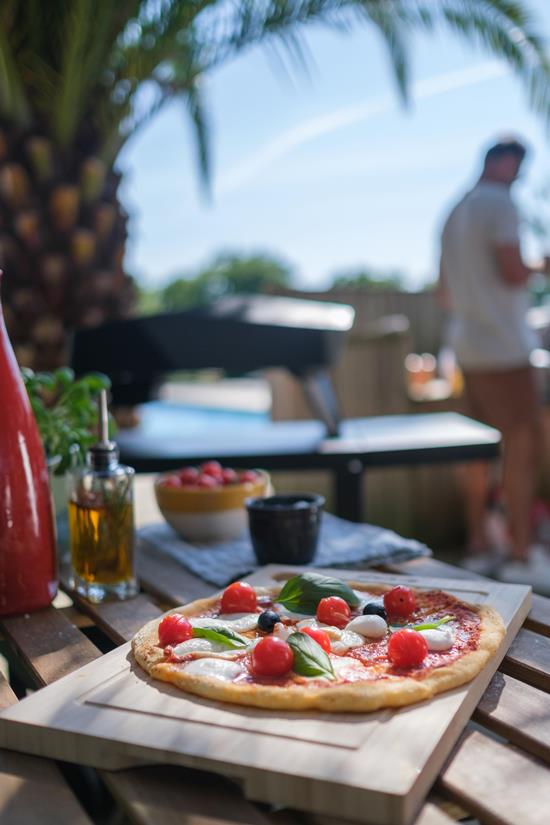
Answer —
(66, 411)
(433, 625)
(222, 635)
(64, 376)
(96, 381)
(309, 657)
(46, 380)
(302, 594)
(27, 374)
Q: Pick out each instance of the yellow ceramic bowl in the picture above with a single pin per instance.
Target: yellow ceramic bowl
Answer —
(215, 514)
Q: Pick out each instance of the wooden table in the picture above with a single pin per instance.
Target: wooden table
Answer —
(498, 772)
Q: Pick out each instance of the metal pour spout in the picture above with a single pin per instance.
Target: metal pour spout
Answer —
(104, 454)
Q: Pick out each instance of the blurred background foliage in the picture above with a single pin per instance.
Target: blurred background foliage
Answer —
(233, 273)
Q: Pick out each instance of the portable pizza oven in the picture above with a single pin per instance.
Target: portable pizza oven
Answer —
(239, 335)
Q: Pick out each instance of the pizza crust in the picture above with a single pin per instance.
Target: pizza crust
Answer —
(361, 696)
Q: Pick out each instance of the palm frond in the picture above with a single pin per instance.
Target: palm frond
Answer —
(504, 28)
(90, 59)
(14, 105)
(392, 27)
(194, 103)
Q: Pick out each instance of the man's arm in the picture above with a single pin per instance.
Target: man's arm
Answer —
(511, 267)
(506, 247)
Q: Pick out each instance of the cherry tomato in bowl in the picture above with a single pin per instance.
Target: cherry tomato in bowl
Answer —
(172, 482)
(208, 482)
(248, 477)
(212, 468)
(207, 503)
(230, 476)
(189, 475)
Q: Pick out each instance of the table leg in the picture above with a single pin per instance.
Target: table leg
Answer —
(348, 491)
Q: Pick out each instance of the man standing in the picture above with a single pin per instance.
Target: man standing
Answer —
(483, 282)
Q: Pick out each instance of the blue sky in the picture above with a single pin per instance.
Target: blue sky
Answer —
(325, 169)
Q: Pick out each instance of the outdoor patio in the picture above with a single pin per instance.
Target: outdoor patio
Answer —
(274, 412)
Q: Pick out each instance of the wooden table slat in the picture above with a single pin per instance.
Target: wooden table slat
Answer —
(518, 712)
(430, 814)
(32, 790)
(174, 795)
(119, 620)
(528, 659)
(433, 815)
(168, 581)
(539, 616)
(50, 645)
(496, 782)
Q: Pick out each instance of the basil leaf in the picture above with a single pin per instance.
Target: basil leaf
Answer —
(222, 635)
(309, 657)
(433, 625)
(302, 594)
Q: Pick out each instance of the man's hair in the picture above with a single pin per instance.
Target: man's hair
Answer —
(509, 146)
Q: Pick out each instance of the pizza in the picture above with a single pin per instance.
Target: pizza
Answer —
(315, 642)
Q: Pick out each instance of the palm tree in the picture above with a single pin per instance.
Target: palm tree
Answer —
(78, 78)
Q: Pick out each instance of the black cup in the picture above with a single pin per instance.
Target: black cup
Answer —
(285, 529)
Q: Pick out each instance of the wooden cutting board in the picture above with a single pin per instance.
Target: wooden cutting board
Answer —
(376, 767)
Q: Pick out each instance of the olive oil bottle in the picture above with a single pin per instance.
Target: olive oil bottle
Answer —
(101, 521)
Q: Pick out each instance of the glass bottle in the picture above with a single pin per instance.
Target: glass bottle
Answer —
(28, 577)
(101, 521)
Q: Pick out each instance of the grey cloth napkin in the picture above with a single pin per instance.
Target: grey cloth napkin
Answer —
(341, 544)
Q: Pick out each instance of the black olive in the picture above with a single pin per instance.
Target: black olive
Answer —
(267, 620)
(373, 608)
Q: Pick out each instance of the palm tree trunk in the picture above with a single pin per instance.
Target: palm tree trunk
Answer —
(62, 240)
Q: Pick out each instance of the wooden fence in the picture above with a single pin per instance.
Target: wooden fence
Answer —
(426, 320)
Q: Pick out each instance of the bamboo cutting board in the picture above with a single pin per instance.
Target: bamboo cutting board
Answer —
(374, 767)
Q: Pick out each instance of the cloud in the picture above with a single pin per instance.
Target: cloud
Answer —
(346, 116)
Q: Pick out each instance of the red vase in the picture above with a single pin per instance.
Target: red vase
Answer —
(27, 539)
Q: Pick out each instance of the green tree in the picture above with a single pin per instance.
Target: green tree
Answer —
(78, 78)
(229, 274)
(368, 279)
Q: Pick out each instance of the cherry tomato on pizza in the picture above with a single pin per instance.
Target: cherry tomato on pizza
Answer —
(271, 657)
(174, 629)
(239, 597)
(407, 648)
(400, 602)
(318, 635)
(333, 610)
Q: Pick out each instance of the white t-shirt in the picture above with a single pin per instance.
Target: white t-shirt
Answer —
(490, 329)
